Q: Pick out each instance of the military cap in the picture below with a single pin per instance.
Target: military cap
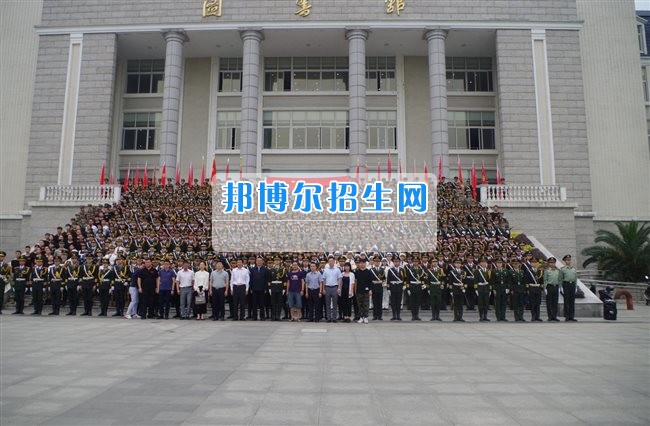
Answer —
(457, 260)
(551, 259)
(376, 257)
(343, 258)
(361, 259)
(331, 256)
(567, 257)
(483, 259)
(105, 260)
(2, 254)
(515, 260)
(498, 260)
(277, 258)
(22, 258)
(38, 258)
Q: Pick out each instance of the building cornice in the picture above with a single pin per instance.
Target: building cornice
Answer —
(372, 25)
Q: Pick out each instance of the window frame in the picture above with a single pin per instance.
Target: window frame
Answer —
(452, 65)
(234, 131)
(293, 130)
(153, 71)
(468, 128)
(156, 128)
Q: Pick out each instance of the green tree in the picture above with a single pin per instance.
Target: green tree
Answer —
(623, 257)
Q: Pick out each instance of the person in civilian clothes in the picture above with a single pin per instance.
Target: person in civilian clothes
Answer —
(314, 282)
(295, 289)
(219, 279)
(167, 276)
(363, 289)
(259, 284)
(148, 289)
(201, 283)
(239, 282)
(346, 291)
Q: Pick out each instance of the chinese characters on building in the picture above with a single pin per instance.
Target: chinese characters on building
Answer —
(395, 6)
(303, 7)
(212, 8)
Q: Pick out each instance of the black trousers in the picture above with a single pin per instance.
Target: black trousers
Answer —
(37, 296)
(218, 303)
(471, 297)
(55, 296)
(518, 303)
(435, 298)
(569, 290)
(416, 299)
(459, 302)
(104, 297)
(552, 292)
(19, 295)
(118, 294)
(377, 299)
(148, 302)
(257, 304)
(500, 303)
(87, 292)
(396, 291)
(164, 303)
(535, 296)
(313, 303)
(276, 305)
(73, 296)
(483, 301)
(239, 301)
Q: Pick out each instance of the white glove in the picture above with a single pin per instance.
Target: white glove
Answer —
(110, 291)
(476, 291)
(269, 292)
(78, 288)
(463, 290)
(507, 291)
(284, 292)
(408, 292)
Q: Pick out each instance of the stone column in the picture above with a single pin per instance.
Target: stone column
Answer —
(249, 99)
(438, 98)
(357, 87)
(171, 98)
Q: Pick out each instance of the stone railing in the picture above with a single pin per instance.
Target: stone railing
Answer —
(522, 193)
(89, 194)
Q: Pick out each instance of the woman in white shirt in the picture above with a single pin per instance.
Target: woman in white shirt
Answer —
(345, 292)
(201, 282)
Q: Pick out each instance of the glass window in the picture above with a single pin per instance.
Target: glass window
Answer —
(643, 48)
(145, 76)
(473, 130)
(305, 130)
(230, 75)
(301, 74)
(140, 130)
(644, 78)
(469, 74)
(380, 74)
(382, 129)
(229, 130)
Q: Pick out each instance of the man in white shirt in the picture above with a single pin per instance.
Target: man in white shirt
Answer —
(239, 284)
(185, 286)
(332, 277)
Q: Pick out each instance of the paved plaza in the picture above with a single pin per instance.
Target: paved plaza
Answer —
(107, 371)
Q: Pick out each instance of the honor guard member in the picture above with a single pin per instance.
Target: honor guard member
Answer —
(89, 278)
(436, 278)
(500, 280)
(120, 284)
(469, 268)
(552, 285)
(482, 287)
(21, 276)
(72, 273)
(396, 277)
(416, 279)
(5, 277)
(276, 288)
(56, 274)
(107, 278)
(569, 278)
(457, 276)
(518, 287)
(38, 280)
(378, 283)
(535, 289)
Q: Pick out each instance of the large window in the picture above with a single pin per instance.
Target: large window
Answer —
(145, 76)
(140, 130)
(228, 129)
(469, 74)
(640, 30)
(230, 71)
(306, 130)
(471, 130)
(380, 74)
(300, 74)
(382, 130)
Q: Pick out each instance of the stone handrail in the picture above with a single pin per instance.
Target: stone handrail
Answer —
(528, 193)
(90, 194)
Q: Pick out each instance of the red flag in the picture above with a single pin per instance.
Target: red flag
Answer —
(154, 181)
(213, 172)
(440, 176)
(399, 166)
(358, 170)
(101, 175)
(426, 172)
(202, 170)
(190, 175)
(125, 187)
(145, 177)
(378, 170)
(460, 172)
(484, 178)
(178, 174)
(474, 180)
(227, 168)
(389, 166)
(111, 180)
(241, 168)
(163, 175)
(136, 178)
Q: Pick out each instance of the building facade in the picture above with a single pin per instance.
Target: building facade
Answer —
(283, 87)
